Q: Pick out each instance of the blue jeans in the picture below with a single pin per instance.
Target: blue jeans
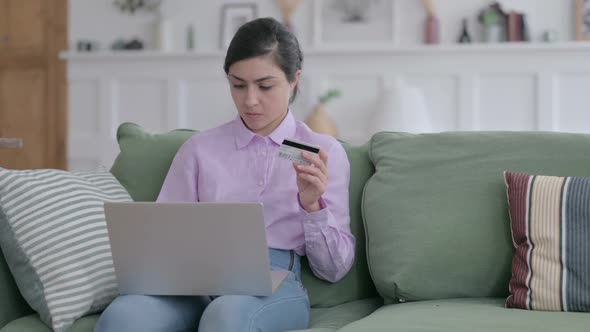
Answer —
(286, 309)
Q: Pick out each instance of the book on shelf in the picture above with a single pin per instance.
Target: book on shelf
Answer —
(517, 29)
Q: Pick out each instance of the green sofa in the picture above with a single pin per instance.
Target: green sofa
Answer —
(430, 216)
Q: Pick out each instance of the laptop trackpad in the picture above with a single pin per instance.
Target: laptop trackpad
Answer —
(277, 278)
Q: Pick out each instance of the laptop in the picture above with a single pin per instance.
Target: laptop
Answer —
(191, 249)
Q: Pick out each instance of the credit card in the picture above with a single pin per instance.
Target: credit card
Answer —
(291, 150)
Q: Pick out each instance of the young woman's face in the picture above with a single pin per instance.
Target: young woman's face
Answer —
(261, 93)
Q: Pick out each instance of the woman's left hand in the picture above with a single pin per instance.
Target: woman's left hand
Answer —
(312, 180)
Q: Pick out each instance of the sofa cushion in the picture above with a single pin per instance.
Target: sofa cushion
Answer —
(332, 319)
(143, 163)
(550, 220)
(436, 214)
(456, 315)
(322, 319)
(32, 323)
(54, 237)
(357, 283)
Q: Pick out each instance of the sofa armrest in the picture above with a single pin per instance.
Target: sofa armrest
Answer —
(12, 304)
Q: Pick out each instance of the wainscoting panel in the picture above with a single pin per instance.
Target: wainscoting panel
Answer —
(142, 101)
(201, 111)
(442, 95)
(506, 102)
(84, 102)
(573, 104)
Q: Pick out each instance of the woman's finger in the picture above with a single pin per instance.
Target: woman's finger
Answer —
(313, 180)
(316, 160)
(312, 171)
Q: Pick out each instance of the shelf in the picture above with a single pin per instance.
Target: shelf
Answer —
(137, 55)
(341, 50)
(453, 48)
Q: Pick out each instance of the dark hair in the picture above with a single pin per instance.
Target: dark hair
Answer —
(266, 36)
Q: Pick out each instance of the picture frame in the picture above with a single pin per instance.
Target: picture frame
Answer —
(233, 16)
(352, 22)
(582, 19)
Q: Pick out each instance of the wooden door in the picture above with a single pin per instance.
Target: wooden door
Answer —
(3, 25)
(32, 84)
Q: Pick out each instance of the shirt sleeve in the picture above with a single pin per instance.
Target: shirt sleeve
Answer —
(180, 184)
(329, 243)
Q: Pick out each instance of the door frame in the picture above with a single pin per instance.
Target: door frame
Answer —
(57, 27)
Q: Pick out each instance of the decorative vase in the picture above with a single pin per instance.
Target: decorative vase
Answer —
(431, 30)
(288, 8)
(493, 33)
(401, 108)
(190, 38)
(431, 24)
(320, 121)
(164, 34)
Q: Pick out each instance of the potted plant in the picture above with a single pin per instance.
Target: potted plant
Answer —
(493, 20)
(319, 120)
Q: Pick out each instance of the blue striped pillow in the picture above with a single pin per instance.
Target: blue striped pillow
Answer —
(550, 220)
(54, 237)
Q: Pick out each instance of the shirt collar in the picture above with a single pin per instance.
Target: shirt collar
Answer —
(285, 130)
(244, 136)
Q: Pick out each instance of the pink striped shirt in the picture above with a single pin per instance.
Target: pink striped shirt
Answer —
(232, 164)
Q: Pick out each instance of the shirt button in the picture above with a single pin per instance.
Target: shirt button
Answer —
(261, 183)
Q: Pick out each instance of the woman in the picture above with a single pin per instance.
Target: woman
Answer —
(305, 211)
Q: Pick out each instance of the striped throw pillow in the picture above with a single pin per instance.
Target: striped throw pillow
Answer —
(550, 220)
(54, 237)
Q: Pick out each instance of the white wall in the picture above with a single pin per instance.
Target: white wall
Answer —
(101, 21)
(519, 87)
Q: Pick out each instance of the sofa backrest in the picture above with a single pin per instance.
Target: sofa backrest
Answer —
(143, 163)
(357, 284)
(436, 212)
(144, 159)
